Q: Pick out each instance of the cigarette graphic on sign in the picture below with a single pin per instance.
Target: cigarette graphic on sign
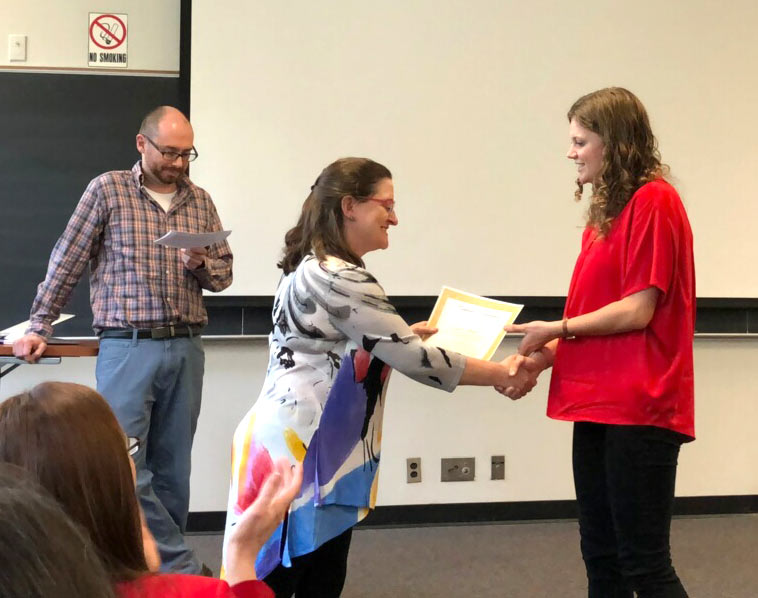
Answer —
(110, 34)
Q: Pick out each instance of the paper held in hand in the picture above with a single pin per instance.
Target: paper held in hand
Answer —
(187, 240)
(10, 335)
(470, 324)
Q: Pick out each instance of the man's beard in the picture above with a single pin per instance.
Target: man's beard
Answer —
(168, 176)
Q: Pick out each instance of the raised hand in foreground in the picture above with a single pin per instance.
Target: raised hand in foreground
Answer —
(260, 520)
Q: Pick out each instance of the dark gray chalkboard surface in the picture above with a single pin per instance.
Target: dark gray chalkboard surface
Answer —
(57, 132)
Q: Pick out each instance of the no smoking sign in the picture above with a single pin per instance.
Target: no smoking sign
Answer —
(107, 40)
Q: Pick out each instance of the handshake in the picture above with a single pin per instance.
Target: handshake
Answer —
(517, 374)
(520, 374)
(525, 366)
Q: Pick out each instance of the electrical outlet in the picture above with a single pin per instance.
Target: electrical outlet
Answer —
(461, 469)
(498, 467)
(413, 470)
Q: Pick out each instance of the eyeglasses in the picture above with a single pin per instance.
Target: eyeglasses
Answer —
(132, 445)
(171, 156)
(388, 204)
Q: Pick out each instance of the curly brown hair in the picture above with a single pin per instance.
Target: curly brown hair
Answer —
(320, 226)
(630, 154)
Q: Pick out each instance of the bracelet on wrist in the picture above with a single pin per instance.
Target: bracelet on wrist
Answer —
(564, 327)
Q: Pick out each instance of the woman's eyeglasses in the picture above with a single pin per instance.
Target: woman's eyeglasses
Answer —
(389, 204)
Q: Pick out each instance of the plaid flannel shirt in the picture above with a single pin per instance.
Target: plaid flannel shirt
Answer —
(134, 283)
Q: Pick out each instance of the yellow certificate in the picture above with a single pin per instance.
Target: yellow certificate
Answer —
(470, 324)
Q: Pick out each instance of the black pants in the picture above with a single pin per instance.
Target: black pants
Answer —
(624, 478)
(319, 574)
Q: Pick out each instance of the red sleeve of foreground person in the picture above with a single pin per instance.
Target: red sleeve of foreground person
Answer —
(175, 585)
(642, 377)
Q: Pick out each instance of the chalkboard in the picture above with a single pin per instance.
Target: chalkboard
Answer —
(59, 131)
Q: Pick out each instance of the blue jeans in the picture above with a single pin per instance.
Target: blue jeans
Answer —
(154, 388)
(624, 478)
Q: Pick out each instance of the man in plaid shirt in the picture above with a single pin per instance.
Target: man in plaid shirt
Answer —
(148, 311)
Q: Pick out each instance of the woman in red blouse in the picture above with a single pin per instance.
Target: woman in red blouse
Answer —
(622, 354)
(66, 436)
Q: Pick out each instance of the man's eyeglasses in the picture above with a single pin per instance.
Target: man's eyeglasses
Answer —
(389, 204)
(132, 445)
(171, 155)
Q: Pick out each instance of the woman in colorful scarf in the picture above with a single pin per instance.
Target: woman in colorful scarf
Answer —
(335, 339)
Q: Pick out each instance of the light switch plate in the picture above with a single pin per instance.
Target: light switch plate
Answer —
(17, 48)
(498, 467)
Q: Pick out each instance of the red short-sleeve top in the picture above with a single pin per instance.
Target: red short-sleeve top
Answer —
(643, 377)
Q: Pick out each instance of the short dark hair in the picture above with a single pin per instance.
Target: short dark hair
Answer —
(320, 226)
(149, 126)
(43, 553)
(66, 436)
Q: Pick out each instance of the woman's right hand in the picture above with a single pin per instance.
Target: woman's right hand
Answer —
(260, 519)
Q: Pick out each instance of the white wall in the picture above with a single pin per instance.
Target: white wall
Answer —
(422, 422)
(57, 33)
(466, 103)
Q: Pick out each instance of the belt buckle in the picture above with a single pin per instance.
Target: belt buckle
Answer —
(161, 333)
